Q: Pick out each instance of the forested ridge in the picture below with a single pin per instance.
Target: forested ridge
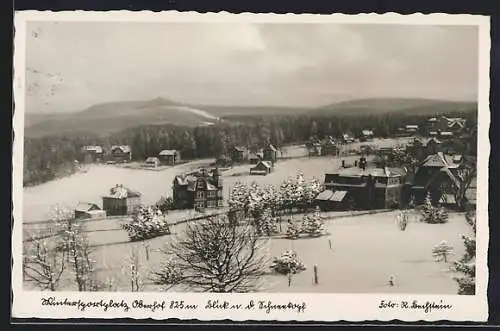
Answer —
(50, 157)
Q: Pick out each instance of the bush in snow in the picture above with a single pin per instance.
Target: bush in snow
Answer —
(147, 222)
(287, 263)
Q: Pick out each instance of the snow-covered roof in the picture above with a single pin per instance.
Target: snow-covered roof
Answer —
(367, 132)
(170, 152)
(95, 149)
(86, 206)
(271, 147)
(152, 159)
(375, 172)
(123, 148)
(121, 192)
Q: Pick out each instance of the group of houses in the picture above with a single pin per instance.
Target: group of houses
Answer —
(123, 154)
(380, 187)
(240, 154)
(325, 147)
(263, 160)
(165, 157)
(120, 201)
(445, 127)
(115, 154)
(436, 126)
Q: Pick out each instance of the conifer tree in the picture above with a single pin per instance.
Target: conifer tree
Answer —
(433, 214)
(292, 230)
(467, 264)
(312, 225)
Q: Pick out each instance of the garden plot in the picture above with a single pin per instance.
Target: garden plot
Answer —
(366, 251)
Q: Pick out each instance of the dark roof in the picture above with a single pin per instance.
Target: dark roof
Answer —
(433, 140)
(191, 181)
(240, 148)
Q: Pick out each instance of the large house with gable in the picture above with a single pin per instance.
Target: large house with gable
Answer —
(198, 190)
(362, 188)
(436, 174)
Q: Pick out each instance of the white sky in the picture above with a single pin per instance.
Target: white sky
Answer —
(71, 66)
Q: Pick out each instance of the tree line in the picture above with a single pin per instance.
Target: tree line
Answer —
(51, 157)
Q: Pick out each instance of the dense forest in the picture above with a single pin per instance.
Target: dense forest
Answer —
(53, 156)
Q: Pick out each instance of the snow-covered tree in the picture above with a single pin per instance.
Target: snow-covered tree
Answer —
(467, 264)
(312, 224)
(292, 230)
(402, 220)
(266, 224)
(43, 264)
(442, 251)
(433, 214)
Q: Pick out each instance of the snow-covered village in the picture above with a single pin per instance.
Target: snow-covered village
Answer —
(334, 186)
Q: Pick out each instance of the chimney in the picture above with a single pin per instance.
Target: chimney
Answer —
(387, 171)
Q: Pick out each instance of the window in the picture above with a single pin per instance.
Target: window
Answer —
(211, 204)
(211, 194)
(383, 180)
(199, 204)
(219, 193)
(219, 203)
(200, 194)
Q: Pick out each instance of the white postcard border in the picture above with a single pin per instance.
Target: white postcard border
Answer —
(318, 307)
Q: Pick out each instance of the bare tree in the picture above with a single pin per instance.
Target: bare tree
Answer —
(74, 242)
(133, 262)
(214, 256)
(43, 263)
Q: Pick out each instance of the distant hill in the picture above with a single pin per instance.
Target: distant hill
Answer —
(107, 118)
(394, 105)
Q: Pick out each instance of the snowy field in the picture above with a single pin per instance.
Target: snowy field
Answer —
(90, 186)
(366, 251)
(96, 182)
